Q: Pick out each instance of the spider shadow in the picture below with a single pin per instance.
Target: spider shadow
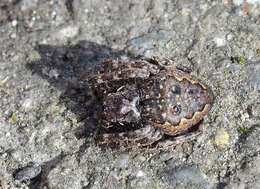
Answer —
(67, 68)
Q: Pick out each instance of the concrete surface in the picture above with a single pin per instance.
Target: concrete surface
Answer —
(48, 114)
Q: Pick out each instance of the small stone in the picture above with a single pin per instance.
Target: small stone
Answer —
(29, 172)
(220, 42)
(13, 36)
(186, 176)
(140, 173)
(53, 14)
(27, 104)
(150, 37)
(244, 117)
(12, 117)
(33, 56)
(14, 23)
(254, 78)
(221, 137)
(229, 37)
(4, 155)
(225, 2)
(68, 32)
(3, 81)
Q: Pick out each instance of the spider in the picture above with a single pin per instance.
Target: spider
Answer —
(146, 101)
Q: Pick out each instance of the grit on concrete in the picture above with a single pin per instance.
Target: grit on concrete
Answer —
(48, 114)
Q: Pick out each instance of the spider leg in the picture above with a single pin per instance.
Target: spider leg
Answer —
(109, 66)
(120, 75)
(175, 140)
(183, 65)
(140, 137)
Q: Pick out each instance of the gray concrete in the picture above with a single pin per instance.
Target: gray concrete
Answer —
(48, 114)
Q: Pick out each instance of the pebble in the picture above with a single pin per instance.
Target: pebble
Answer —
(220, 41)
(140, 173)
(27, 104)
(67, 32)
(29, 172)
(185, 175)
(254, 78)
(149, 37)
(14, 23)
(221, 137)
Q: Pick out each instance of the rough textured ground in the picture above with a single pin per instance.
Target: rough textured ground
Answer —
(48, 115)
